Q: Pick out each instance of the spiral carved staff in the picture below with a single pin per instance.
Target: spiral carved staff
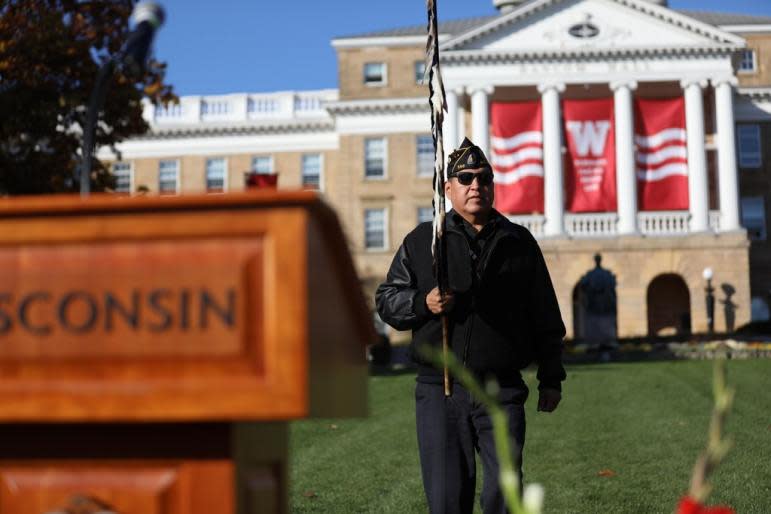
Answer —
(438, 104)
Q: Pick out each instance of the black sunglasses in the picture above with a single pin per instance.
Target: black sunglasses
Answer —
(466, 178)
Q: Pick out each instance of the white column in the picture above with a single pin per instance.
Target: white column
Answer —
(461, 134)
(626, 169)
(726, 155)
(450, 126)
(480, 118)
(698, 193)
(554, 198)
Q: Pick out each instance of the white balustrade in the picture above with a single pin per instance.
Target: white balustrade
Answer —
(591, 225)
(168, 111)
(233, 108)
(213, 108)
(653, 223)
(311, 104)
(714, 221)
(663, 223)
(534, 223)
(261, 106)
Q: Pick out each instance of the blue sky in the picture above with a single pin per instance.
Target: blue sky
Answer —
(232, 46)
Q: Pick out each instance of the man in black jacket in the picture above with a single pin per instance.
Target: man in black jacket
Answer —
(503, 314)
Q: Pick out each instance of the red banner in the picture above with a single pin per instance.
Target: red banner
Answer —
(662, 154)
(517, 157)
(261, 180)
(590, 167)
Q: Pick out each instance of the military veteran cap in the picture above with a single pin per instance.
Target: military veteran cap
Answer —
(467, 156)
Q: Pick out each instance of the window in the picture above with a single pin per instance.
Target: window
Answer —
(759, 309)
(747, 61)
(425, 156)
(168, 175)
(375, 229)
(420, 72)
(122, 173)
(215, 174)
(425, 214)
(375, 73)
(749, 146)
(262, 164)
(374, 158)
(754, 217)
(311, 171)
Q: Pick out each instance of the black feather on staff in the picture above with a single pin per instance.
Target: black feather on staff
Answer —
(438, 105)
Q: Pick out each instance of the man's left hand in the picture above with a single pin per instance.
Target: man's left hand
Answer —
(548, 399)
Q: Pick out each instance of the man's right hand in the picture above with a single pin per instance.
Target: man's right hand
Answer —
(437, 304)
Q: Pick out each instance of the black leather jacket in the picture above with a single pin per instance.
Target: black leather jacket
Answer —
(505, 314)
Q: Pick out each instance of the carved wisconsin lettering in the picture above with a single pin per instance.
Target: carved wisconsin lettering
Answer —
(45, 313)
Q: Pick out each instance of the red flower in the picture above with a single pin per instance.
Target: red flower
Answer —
(690, 506)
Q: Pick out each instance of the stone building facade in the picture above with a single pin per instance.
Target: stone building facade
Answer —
(367, 147)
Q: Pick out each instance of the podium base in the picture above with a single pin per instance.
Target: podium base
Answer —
(144, 468)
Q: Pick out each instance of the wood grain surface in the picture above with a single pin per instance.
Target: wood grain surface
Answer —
(125, 487)
(173, 308)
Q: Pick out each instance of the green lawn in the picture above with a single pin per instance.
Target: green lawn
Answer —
(645, 422)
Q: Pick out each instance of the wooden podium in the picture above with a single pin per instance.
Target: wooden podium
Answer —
(153, 349)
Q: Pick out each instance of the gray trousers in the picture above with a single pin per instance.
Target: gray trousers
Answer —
(451, 431)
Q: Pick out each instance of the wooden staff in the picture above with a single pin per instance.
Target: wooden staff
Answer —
(438, 105)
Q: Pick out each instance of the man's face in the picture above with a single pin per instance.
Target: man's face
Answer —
(474, 199)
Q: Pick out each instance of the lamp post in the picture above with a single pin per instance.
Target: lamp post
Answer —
(710, 300)
(131, 60)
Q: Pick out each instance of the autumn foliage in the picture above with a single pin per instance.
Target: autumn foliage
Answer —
(50, 53)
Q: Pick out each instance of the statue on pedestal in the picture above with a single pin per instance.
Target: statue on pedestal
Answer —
(597, 289)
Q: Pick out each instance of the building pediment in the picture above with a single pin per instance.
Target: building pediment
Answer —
(575, 25)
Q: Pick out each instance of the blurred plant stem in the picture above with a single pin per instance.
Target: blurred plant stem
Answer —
(488, 397)
(717, 445)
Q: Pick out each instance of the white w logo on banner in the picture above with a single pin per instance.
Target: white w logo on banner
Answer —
(589, 135)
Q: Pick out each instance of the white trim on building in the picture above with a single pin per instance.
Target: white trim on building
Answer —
(325, 140)
(746, 29)
(532, 8)
(382, 41)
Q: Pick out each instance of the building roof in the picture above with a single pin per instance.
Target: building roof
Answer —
(457, 27)
(721, 18)
(450, 27)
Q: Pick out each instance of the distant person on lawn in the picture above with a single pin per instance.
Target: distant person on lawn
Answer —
(503, 314)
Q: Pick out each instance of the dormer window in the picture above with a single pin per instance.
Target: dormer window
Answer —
(747, 61)
(375, 73)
